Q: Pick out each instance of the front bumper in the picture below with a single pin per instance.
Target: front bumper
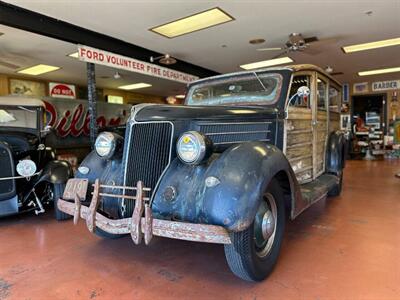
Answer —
(141, 224)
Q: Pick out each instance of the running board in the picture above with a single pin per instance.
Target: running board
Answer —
(318, 188)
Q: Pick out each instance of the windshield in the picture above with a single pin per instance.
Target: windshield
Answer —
(18, 117)
(250, 89)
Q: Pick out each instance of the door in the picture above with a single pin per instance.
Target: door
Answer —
(320, 125)
(298, 132)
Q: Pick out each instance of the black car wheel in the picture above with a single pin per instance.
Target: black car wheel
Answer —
(57, 190)
(106, 235)
(254, 251)
(337, 189)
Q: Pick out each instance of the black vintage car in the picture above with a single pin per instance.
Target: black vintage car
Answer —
(246, 151)
(30, 177)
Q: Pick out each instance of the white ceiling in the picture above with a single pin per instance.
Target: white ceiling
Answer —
(27, 49)
(335, 23)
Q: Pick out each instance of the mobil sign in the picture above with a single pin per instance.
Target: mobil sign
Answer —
(62, 90)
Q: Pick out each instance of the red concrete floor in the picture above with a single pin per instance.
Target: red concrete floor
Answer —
(343, 248)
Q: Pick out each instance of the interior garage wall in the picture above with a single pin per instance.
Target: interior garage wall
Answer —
(129, 97)
(4, 85)
(134, 98)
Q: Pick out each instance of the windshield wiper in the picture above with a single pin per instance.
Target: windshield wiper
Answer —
(259, 80)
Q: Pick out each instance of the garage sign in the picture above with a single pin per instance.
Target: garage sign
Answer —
(101, 57)
(386, 85)
(61, 90)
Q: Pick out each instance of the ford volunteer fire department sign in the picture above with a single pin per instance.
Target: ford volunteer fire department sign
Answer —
(100, 57)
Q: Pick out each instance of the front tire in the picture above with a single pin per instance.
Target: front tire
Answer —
(57, 190)
(105, 235)
(254, 251)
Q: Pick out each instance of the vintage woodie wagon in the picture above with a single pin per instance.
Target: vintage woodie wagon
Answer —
(246, 151)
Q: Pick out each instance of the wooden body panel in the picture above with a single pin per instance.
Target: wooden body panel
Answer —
(298, 146)
(334, 121)
(321, 138)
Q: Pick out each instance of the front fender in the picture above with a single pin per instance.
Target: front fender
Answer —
(56, 171)
(108, 171)
(244, 171)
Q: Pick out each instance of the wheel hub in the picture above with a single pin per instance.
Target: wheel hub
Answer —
(268, 225)
(265, 225)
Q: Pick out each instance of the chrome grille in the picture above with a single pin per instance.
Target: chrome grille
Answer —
(231, 133)
(149, 152)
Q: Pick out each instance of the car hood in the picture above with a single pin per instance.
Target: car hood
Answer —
(158, 112)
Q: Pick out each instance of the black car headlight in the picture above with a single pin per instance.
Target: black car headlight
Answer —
(107, 143)
(193, 147)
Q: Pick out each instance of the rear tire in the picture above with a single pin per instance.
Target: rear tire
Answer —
(254, 252)
(337, 189)
(58, 190)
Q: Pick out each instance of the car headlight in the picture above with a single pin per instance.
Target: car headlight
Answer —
(193, 147)
(26, 168)
(107, 143)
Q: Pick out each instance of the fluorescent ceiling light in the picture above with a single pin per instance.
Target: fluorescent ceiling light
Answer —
(379, 71)
(372, 45)
(134, 86)
(269, 49)
(38, 69)
(74, 55)
(267, 63)
(199, 21)
(180, 96)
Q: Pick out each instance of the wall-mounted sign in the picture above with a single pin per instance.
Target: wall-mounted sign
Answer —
(386, 85)
(361, 87)
(27, 88)
(97, 56)
(345, 91)
(70, 119)
(61, 90)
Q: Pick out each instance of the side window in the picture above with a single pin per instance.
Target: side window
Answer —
(298, 81)
(334, 99)
(321, 94)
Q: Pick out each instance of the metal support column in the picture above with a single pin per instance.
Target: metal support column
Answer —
(92, 97)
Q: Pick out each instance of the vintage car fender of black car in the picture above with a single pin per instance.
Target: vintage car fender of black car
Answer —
(30, 177)
(246, 151)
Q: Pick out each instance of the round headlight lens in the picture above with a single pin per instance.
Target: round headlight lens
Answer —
(193, 147)
(26, 168)
(105, 144)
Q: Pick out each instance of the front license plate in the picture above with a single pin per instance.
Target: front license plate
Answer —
(75, 186)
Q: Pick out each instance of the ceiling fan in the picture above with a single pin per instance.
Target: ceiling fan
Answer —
(8, 65)
(12, 60)
(164, 59)
(296, 42)
(330, 71)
